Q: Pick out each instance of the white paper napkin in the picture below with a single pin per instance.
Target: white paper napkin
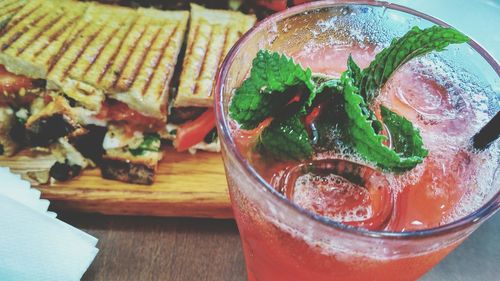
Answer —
(34, 245)
(14, 187)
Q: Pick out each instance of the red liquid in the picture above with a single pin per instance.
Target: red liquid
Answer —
(422, 198)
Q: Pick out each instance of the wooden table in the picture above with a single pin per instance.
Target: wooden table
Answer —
(180, 249)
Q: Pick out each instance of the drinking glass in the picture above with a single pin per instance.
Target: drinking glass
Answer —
(283, 242)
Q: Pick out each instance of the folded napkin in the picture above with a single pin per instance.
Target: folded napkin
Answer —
(34, 245)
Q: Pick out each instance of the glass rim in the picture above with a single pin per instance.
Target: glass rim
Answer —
(475, 217)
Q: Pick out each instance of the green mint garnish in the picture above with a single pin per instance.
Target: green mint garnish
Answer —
(151, 142)
(414, 43)
(406, 139)
(354, 69)
(409, 150)
(285, 139)
(280, 89)
(356, 75)
(265, 91)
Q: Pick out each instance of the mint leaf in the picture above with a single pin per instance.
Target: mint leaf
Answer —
(369, 144)
(323, 86)
(415, 43)
(354, 69)
(406, 139)
(286, 139)
(265, 91)
(275, 72)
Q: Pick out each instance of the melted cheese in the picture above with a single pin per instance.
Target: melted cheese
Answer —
(117, 138)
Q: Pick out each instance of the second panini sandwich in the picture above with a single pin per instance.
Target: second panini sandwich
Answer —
(212, 33)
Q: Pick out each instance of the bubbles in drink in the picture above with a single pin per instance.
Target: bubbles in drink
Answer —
(426, 95)
(485, 176)
(340, 190)
(332, 196)
(448, 105)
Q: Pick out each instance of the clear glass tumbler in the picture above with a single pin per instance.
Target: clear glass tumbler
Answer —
(283, 242)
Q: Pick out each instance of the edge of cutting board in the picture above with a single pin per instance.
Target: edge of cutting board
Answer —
(186, 186)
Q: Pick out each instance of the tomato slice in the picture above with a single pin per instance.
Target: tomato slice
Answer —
(278, 5)
(120, 112)
(193, 132)
(275, 5)
(12, 83)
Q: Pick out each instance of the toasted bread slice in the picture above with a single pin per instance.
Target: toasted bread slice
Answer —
(8, 8)
(35, 36)
(212, 33)
(120, 164)
(127, 54)
(84, 50)
(144, 78)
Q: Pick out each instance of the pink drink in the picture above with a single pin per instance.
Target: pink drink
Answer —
(294, 236)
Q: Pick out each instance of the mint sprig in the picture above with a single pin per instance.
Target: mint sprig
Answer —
(406, 139)
(280, 89)
(414, 43)
(409, 150)
(287, 139)
(265, 91)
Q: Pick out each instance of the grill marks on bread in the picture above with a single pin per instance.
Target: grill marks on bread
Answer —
(90, 50)
(143, 69)
(211, 35)
(33, 38)
(8, 8)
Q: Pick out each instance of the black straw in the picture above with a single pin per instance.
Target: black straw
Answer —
(488, 134)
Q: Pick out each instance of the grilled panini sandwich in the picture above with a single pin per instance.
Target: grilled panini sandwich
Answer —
(211, 35)
(127, 55)
(8, 8)
(123, 58)
(29, 45)
(100, 65)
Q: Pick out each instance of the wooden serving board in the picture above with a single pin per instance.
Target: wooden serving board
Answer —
(186, 186)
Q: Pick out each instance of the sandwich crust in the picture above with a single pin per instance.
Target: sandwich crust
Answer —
(121, 165)
(8, 8)
(32, 40)
(211, 35)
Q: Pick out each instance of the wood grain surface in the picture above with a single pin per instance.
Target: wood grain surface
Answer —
(181, 249)
(167, 249)
(186, 186)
